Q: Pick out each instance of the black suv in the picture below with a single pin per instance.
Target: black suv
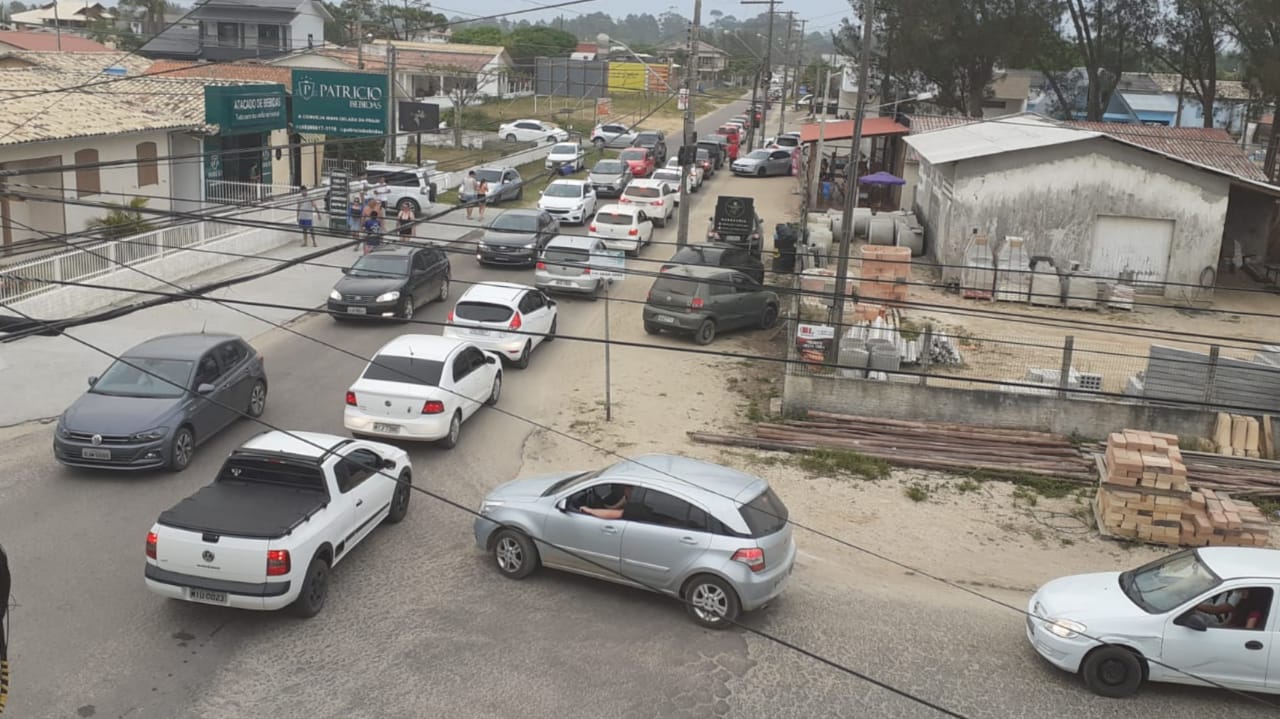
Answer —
(704, 301)
(715, 148)
(718, 254)
(656, 141)
(391, 282)
(753, 243)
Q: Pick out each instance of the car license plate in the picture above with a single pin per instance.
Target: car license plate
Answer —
(206, 596)
(391, 428)
(91, 453)
(665, 319)
(562, 283)
(482, 333)
(356, 310)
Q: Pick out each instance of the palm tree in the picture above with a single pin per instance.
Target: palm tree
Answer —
(123, 221)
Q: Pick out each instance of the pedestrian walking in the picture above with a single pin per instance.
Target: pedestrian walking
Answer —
(482, 191)
(406, 218)
(468, 191)
(355, 216)
(372, 224)
(307, 211)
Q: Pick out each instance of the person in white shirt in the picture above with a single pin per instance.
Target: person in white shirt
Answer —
(468, 191)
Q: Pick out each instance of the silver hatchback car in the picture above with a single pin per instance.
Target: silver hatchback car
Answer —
(565, 266)
(714, 537)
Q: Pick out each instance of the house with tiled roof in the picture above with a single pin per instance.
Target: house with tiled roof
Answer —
(70, 14)
(240, 29)
(1161, 208)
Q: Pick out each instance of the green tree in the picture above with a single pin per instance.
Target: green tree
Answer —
(478, 35)
(125, 220)
(1190, 37)
(1255, 26)
(526, 43)
(1109, 37)
(407, 20)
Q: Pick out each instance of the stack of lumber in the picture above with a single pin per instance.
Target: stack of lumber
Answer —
(1240, 436)
(885, 273)
(1237, 475)
(928, 445)
(1144, 493)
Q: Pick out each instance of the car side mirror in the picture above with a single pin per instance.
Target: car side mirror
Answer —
(490, 359)
(93, 379)
(204, 388)
(388, 463)
(346, 270)
(1193, 621)
(563, 505)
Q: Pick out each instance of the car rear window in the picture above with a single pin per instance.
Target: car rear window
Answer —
(565, 254)
(682, 286)
(272, 471)
(765, 514)
(632, 155)
(482, 312)
(634, 191)
(613, 218)
(406, 370)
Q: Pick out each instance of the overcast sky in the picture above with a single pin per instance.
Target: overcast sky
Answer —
(823, 15)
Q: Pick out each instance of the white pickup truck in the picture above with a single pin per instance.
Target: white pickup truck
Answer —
(283, 510)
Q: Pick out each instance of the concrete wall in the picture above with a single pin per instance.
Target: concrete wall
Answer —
(1248, 222)
(1053, 196)
(896, 400)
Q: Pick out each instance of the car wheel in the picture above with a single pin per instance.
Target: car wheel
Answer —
(411, 204)
(551, 332)
(651, 328)
(257, 399)
(444, 289)
(400, 499)
(599, 143)
(760, 172)
(315, 589)
(522, 362)
(711, 602)
(455, 431)
(406, 309)
(520, 193)
(181, 449)
(768, 317)
(1112, 671)
(514, 554)
(511, 137)
(706, 332)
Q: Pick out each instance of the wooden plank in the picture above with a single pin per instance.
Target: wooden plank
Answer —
(1268, 441)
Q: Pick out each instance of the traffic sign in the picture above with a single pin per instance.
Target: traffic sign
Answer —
(682, 101)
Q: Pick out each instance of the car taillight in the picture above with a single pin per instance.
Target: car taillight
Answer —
(278, 563)
(695, 303)
(633, 231)
(658, 203)
(586, 270)
(433, 406)
(351, 398)
(540, 266)
(516, 322)
(624, 200)
(152, 539)
(753, 558)
(591, 227)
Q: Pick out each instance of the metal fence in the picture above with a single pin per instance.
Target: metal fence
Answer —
(225, 192)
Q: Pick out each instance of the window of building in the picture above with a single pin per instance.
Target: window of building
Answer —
(87, 179)
(269, 36)
(228, 34)
(148, 169)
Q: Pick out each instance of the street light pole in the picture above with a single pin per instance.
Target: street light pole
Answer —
(851, 183)
(688, 147)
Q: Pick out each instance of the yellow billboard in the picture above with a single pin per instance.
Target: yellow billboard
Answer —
(626, 76)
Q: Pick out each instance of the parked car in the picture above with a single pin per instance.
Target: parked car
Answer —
(712, 536)
(655, 141)
(702, 157)
(609, 177)
(696, 172)
(531, 131)
(283, 511)
(672, 177)
(1118, 630)
(639, 160)
(422, 387)
(568, 200)
(763, 162)
(657, 197)
(566, 153)
(515, 237)
(716, 145)
(718, 254)
(505, 184)
(622, 227)
(612, 135)
(788, 141)
(565, 266)
(753, 242)
(733, 139)
(705, 301)
(391, 281)
(160, 400)
(505, 318)
(408, 186)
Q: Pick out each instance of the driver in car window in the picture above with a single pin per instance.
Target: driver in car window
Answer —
(1224, 612)
(613, 504)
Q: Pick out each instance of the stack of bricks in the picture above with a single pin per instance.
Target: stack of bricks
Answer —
(867, 312)
(1144, 494)
(885, 272)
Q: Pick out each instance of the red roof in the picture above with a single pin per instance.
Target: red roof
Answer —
(843, 129)
(48, 42)
(220, 71)
(587, 47)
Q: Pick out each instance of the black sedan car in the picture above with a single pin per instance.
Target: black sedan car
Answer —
(391, 282)
(160, 400)
(516, 237)
(717, 254)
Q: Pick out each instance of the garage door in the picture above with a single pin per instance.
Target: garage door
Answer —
(1132, 248)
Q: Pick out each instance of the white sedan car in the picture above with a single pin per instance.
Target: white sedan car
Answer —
(505, 318)
(622, 227)
(696, 173)
(422, 387)
(658, 198)
(569, 200)
(531, 131)
(1198, 616)
(566, 153)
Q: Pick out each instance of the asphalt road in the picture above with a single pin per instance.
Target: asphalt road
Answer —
(419, 624)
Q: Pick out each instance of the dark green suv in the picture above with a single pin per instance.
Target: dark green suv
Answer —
(704, 301)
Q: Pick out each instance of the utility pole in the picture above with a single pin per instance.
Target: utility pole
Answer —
(797, 73)
(688, 146)
(782, 99)
(359, 42)
(766, 75)
(851, 183)
(392, 134)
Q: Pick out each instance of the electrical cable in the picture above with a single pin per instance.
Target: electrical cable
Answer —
(5, 592)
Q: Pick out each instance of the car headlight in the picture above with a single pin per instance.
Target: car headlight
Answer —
(62, 429)
(150, 435)
(391, 296)
(1064, 628)
(530, 246)
(489, 505)
(335, 295)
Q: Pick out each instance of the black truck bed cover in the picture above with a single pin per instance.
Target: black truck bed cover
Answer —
(249, 509)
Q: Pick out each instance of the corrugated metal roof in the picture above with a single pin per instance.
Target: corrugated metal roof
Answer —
(992, 137)
(1211, 147)
(843, 129)
(1139, 102)
(1224, 89)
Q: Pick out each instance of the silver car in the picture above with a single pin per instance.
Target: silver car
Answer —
(610, 177)
(764, 162)
(565, 266)
(711, 536)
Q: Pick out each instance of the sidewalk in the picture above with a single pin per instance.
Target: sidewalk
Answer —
(43, 375)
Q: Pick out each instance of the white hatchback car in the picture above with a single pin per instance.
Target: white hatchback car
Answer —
(422, 387)
(657, 197)
(695, 172)
(531, 131)
(569, 200)
(1210, 612)
(673, 177)
(504, 317)
(622, 227)
(566, 153)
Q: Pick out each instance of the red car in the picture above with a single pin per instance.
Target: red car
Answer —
(730, 133)
(639, 159)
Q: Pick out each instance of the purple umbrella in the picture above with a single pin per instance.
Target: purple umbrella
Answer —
(881, 178)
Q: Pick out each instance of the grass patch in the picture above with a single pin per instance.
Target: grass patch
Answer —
(831, 461)
(968, 485)
(1267, 506)
(909, 329)
(916, 492)
(1025, 495)
(754, 413)
(1046, 487)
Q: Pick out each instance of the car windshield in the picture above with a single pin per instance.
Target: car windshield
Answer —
(758, 155)
(704, 155)
(613, 218)
(1168, 583)
(635, 191)
(564, 255)
(563, 189)
(380, 266)
(646, 138)
(564, 150)
(608, 167)
(405, 370)
(145, 377)
(514, 222)
(631, 155)
(572, 481)
(671, 285)
(765, 514)
(489, 176)
(692, 256)
(482, 312)
(667, 175)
